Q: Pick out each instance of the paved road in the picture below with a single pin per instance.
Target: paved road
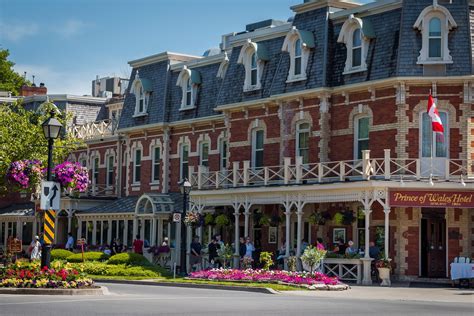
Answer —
(155, 300)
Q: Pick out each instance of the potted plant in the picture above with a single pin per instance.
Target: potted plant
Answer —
(291, 263)
(266, 260)
(225, 253)
(264, 220)
(338, 218)
(348, 217)
(312, 257)
(384, 267)
(222, 220)
(209, 219)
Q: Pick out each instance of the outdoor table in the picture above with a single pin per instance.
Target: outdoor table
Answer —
(462, 271)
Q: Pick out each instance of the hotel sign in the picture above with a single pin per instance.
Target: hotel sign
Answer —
(431, 198)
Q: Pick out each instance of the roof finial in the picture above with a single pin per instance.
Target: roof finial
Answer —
(435, 3)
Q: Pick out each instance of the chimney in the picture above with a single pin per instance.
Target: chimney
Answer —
(26, 91)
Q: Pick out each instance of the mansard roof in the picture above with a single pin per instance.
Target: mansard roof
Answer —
(393, 49)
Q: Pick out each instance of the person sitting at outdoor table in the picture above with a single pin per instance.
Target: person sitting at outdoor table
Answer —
(319, 244)
(350, 249)
(281, 253)
(374, 251)
(164, 248)
(212, 249)
(249, 248)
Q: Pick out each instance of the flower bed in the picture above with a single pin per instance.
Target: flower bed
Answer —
(287, 277)
(24, 275)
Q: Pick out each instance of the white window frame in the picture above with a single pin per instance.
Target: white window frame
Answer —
(356, 134)
(110, 169)
(223, 153)
(182, 161)
(95, 169)
(137, 180)
(254, 146)
(289, 45)
(300, 131)
(140, 95)
(203, 159)
(155, 164)
(83, 162)
(245, 58)
(346, 36)
(447, 24)
(446, 135)
(354, 47)
(188, 102)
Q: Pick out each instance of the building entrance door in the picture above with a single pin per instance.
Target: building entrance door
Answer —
(433, 243)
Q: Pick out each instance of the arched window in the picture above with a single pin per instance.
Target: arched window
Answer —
(110, 171)
(361, 136)
(434, 23)
(297, 57)
(356, 49)
(257, 148)
(184, 161)
(434, 38)
(204, 154)
(223, 153)
(302, 141)
(189, 81)
(156, 164)
(253, 70)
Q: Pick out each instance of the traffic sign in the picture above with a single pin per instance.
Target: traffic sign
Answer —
(49, 230)
(81, 241)
(176, 217)
(50, 195)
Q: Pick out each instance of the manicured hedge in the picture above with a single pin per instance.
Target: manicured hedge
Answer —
(88, 256)
(101, 268)
(129, 259)
(60, 254)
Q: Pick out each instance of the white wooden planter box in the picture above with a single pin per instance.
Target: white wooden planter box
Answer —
(344, 269)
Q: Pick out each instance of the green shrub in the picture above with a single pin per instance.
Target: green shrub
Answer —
(312, 256)
(266, 259)
(129, 259)
(60, 254)
(88, 256)
(101, 268)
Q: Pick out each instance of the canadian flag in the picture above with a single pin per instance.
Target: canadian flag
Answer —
(436, 123)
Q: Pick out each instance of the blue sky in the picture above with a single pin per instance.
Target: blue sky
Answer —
(65, 44)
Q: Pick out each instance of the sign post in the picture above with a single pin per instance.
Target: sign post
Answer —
(81, 242)
(50, 202)
(176, 217)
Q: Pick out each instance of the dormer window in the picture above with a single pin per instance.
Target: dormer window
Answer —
(142, 89)
(253, 57)
(189, 81)
(298, 44)
(356, 34)
(434, 23)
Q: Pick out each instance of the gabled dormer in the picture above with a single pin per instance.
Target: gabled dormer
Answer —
(142, 89)
(189, 81)
(253, 56)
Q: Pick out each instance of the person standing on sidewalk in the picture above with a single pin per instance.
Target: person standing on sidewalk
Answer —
(70, 242)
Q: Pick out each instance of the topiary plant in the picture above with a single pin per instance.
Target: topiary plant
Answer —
(266, 259)
(128, 259)
(60, 254)
(88, 256)
(312, 256)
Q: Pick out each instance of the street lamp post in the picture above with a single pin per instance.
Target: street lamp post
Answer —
(185, 187)
(51, 129)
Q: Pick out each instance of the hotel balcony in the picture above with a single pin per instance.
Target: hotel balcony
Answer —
(387, 168)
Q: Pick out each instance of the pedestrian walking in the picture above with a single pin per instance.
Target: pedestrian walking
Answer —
(35, 247)
(70, 242)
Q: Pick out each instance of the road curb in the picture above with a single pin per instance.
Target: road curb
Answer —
(193, 285)
(70, 292)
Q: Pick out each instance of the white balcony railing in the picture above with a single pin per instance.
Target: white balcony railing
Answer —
(92, 130)
(367, 168)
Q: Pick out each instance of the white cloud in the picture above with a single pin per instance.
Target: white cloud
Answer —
(71, 28)
(15, 32)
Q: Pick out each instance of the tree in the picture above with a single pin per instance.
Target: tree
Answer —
(9, 79)
(21, 137)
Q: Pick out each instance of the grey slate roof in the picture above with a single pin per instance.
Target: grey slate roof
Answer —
(392, 52)
(23, 209)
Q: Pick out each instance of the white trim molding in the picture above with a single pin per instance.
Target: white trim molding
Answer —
(423, 25)
(223, 67)
(138, 90)
(346, 36)
(298, 44)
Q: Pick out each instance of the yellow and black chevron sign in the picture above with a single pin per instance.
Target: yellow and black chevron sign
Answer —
(49, 216)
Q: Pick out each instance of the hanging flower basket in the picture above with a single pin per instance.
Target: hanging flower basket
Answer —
(209, 219)
(222, 220)
(72, 176)
(193, 219)
(348, 217)
(265, 220)
(25, 174)
(338, 218)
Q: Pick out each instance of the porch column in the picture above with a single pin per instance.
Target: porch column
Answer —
(299, 213)
(19, 229)
(102, 232)
(367, 280)
(94, 232)
(160, 232)
(34, 232)
(109, 233)
(79, 229)
(387, 232)
(5, 235)
(246, 221)
(125, 232)
(236, 238)
(135, 227)
(142, 229)
(69, 221)
(153, 232)
(287, 234)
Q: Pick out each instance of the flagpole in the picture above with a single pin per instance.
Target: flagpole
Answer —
(432, 149)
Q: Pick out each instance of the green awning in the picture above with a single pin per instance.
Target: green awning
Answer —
(262, 53)
(307, 38)
(146, 84)
(195, 76)
(368, 29)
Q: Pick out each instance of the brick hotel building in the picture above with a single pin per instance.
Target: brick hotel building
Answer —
(319, 115)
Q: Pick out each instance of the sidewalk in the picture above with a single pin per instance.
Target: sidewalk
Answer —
(398, 292)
